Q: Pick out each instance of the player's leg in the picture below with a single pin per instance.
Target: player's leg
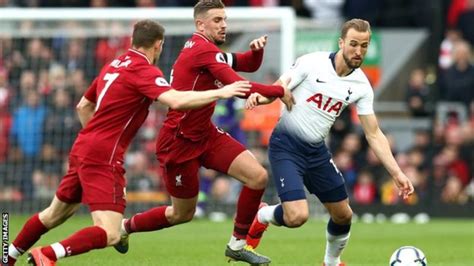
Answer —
(226, 155)
(181, 211)
(39, 224)
(183, 185)
(105, 232)
(103, 190)
(63, 206)
(288, 167)
(327, 183)
(338, 230)
(293, 211)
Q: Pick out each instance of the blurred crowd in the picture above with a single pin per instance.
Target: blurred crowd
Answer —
(41, 80)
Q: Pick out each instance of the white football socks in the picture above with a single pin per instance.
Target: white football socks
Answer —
(267, 214)
(59, 250)
(236, 244)
(334, 247)
(14, 252)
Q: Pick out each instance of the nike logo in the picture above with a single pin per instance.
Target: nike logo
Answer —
(320, 81)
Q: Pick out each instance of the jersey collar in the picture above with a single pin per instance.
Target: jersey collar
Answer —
(140, 54)
(332, 56)
(201, 36)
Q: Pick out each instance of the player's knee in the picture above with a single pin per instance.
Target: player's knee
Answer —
(260, 180)
(296, 219)
(342, 217)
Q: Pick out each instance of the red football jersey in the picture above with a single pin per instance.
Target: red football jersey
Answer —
(122, 93)
(201, 65)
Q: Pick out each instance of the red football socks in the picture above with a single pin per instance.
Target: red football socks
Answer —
(247, 208)
(82, 241)
(150, 220)
(29, 234)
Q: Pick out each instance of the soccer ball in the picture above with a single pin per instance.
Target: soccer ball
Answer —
(408, 256)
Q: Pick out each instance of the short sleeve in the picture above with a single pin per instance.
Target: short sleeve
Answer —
(91, 92)
(365, 104)
(297, 73)
(151, 82)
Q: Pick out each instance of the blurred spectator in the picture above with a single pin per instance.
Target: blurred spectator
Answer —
(77, 86)
(465, 22)
(352, 144)
(456, 7)
(225, 189)
(374, 165)
(28, 82)
(52, 81)
(365, 190)
(5, 117)
(416, 158)
(227, 116)
(342, 126)
(99, 3)
(62, 125)
(456, 166)
(108, 48)
(417, 95)
(451, 37)
(206, 181)
(326, 12)
(343, 161)
(38, 57)
(145, 3)
(363, 9)
(139, 176)
(73, 58)
(422, 140)
(47, 174)
(419, 180)
(28, 123)
(458, 81)
(453, 192)
(27, 138)
(16, 64)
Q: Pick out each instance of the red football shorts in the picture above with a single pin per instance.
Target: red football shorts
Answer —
(101, 187)
(181, 158)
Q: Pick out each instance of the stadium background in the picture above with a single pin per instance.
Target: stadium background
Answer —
(420, 64)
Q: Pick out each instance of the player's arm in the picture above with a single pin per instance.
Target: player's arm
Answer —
(213, 60)
(85, 110)
(182, 100)
(251, 60)
(257, 99)
(379, 144)
(86, 107)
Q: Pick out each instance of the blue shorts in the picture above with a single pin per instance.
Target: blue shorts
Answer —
(296, 163)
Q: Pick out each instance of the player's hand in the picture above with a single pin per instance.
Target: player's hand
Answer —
(238, 88)
(405, 187)
(259, 43)
(287, 98)
(257, 99)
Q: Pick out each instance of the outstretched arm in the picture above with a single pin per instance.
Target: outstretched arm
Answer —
(182, 100)
(379, 144)
(257, 99)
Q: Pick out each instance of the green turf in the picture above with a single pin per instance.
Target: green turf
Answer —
(201, 242)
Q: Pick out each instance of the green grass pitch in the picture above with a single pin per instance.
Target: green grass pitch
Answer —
(201, 242)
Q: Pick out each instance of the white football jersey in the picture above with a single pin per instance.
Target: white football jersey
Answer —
(321, 95)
